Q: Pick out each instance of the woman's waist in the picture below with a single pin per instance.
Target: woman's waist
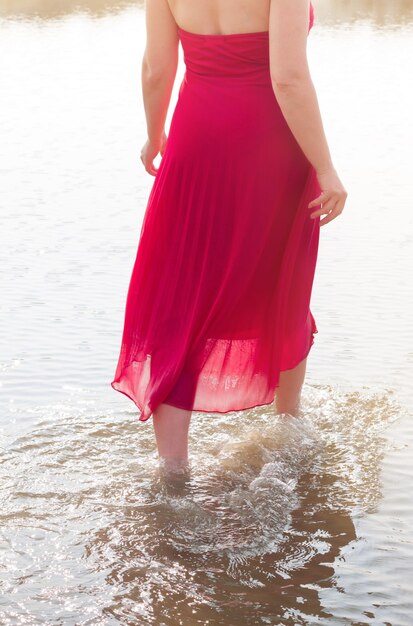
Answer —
(220, 104)
(227, 80)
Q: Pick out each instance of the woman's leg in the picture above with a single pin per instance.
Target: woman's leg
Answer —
(171, 426)
(288, 394)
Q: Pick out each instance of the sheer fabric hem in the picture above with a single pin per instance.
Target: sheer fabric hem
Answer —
(147, 411)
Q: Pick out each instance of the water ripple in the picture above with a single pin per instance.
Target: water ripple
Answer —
(272, 495)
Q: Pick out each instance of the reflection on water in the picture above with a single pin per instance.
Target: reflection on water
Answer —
(46, 9)
(253, 533)
(281, 521)
(381, 12)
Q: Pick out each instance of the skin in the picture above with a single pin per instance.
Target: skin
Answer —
(287, 23)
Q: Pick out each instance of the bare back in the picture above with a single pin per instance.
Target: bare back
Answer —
(221, 16)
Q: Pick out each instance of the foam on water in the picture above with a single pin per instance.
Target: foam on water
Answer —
(82, 498)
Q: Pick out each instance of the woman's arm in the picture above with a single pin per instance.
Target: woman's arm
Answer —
(291, 79)
(159, 66)
(295, 93)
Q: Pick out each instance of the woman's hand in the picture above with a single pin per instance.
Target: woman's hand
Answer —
(332, 199)
(150, 151)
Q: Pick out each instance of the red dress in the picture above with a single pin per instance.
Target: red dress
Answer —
(218, 300)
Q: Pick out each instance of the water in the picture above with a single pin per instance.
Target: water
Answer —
(305, 521)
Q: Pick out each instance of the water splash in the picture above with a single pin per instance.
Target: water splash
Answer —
(81, 497)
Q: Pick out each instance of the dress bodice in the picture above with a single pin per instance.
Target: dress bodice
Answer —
(242, 55)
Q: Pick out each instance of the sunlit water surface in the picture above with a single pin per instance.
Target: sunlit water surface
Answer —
(281, 521)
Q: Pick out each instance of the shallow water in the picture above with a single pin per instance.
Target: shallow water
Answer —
(281, 521)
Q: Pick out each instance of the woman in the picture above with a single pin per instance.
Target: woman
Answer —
(217, 315)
